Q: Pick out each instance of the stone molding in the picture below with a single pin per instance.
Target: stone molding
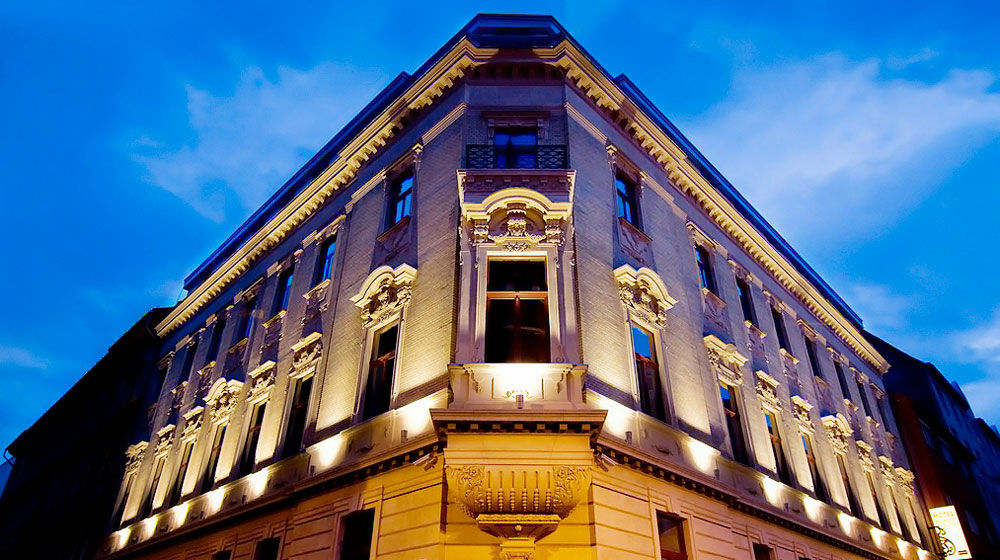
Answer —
(134, 456)
(261, 381)
(386, 292)
(222, 399)
(767, 391)
(164, 439)
(192, 423)
(305, 355)
(838, 430)
(725, 360)
(519, 217)
(644, 295)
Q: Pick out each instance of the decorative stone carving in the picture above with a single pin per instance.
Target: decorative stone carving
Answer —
(767, 391)
(644, 295)
(725, 360)
(838, 431)
(515, 235)
(261, 381)
(755, 345)
(134, 455)
(905, 479)
(316, 301)
(205, 379)
(164, 439)
(272, 331)
(222, 399)
(715, 312)
(192, 423)
(635, 243)
(386, 292)
(517, 218)
(800, 409)
(865, 455)
(306, 355)
(886, 471)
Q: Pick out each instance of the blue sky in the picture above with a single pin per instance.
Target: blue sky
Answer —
(138, 136)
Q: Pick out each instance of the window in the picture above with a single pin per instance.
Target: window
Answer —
(819, 485)
(147, 503)
(734, 423)
(780, 461)
(779, 328)
(864, 397)
(883, 409)
(249, 456)
(746, 301)
(177, 488)
(216, 340)
(761, 552)
(515, 148)
(222, 555)
(208, 477)
(851, 498)
(883, 521)
(400, 197)
(129, 481)
(284, 293)
(813, 358)
(517, 315)
(357, 529)
(192, 349)
(324, 265)
(628, 204)
(378, 388)
(648, 372)
(267, 549)
(671, 531)
(246, 320)
(842, 379)
(297, 417)
(705, 275)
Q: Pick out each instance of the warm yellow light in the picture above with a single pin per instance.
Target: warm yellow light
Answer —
(180, 513)
(149, 525)
(330, 451)
(702, 455)
(773, 490)
(846, 522)
(877, 536)
(415, 417)
(814, 508)
(258, 482)
(619, 418)
(214, 499)
(123, 535)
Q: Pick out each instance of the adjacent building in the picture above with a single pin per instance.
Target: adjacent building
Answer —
(60, 495)
(955, 456)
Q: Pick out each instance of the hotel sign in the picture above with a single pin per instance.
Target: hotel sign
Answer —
(949, 532)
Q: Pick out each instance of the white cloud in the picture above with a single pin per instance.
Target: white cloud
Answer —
(828, 147)
(980, 345)
(879, 305)
(248, 144)
(21, 357)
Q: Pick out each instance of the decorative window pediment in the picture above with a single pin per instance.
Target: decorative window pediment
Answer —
(800, 409)
(517, 218)
(164, 439)
(261, 381)
(886, 471)
(905, 479)
(385, 293)
(865, 455)
(767, 391)
(838, 430)
(306, 355)
(222, 399)
(644, 294)
(192, 423)
(725, 360)
(134, 455)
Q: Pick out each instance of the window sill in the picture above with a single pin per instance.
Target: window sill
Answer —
(389, 231)
(498, 385)
(315, 290)
(275, 320)
(634, 229)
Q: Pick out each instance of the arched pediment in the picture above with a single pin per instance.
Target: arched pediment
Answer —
(644, 294)
(222, 398)
(517, 218)
(385, 292)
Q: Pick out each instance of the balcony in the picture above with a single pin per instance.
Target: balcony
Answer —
(487, 156)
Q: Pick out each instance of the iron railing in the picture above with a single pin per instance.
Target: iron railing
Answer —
(487, 156)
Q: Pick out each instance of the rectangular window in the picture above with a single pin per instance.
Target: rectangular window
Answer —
(746, 301)
(249, 456)
(842, 379)
(147, 503)
(706, 276)
(177, 488)
(267, 549)
(216, 341)
(648, 372)
(628, 203)
(671, 531)
(517, 312)
(189, 353)
(129, 481)
(324, 264)
(246, 320)
(819, 485)
(515, 148)
(357, 529)
(883, 521)
(297, 417)
(208, 477)
(734, 423)
(378, 388)
(851, 498)
(813, 358)
(883, 409)
(779, 328)
(222, 555)
(864, 397)
(780, 461)
(761, 552)
(400, 198)
(284, 292)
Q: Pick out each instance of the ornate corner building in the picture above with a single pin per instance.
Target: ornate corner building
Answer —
(511, 312)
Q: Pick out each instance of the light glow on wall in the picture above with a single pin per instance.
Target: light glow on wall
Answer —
(814, 508)
(415, 417)
(123, 535)
(214, 499)
(773, 490)
(149, 526)
(330, 451)
(846, 522)
(180, 512)
(702, 455)
(257, 482)
(878, 537)
(619, 419)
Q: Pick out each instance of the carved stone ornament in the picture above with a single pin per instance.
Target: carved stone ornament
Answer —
(886, 471)
(386, 292)
(164, 439)
(767, 391)
(905, 479)
(838, 430)
(800, 409)
(316, 302)
(715, 311)
(192, 423)
(306, 354)
(725, 360)
(644, 295)
(134, 455)
(222, 399)
(517, 218)
(261, 381)
(205, 379)
(865, 455)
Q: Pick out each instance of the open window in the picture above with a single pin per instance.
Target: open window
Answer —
(647, 370)
(517, 314)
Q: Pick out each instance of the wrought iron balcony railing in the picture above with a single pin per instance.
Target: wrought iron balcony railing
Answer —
(487, 156)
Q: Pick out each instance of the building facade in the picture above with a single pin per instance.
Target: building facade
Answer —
(68, 465)
(955, 456)
(510, 311)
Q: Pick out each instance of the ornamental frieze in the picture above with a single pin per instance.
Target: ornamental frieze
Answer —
(725, 360)
(316, 301)
(164, 439)
(306, 354)
(386, 292)
(531, 489)
(192, 423)
(644, 295)
(905, 479)
(800, 410)
(865, 455)
(767, 391)
(886, 471)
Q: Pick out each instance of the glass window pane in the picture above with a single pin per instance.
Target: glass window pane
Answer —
(516, 276)
(500, 327)
(671, 531)
(642, 343)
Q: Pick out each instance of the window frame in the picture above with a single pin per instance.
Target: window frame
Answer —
(780, 331)
(283, 291)
(251, 439)
(292, 401)
(782, 466)
(212, 456)
(734, 397)
(516, 296)
(682, 529)
(661, 380)
(815, 469)
(364, 403)
(629, 200)
(512, 150)
(325, 259)
(743, 291)
(395, 193)
(706, 272)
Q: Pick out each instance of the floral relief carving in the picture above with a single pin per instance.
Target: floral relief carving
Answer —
(886, 471)
(386, 292)
(192, 423)
(134, 455)
(644, 295)
(316, 302)
(725, 361)
(635, 243)
(838, 431)
(205, 379)
(535, 490)
(261, 381)
(222, 399)
(865, 455)
(800, 409)
(767, 391)
(905, 479)
(306, 354)
(516, 218)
